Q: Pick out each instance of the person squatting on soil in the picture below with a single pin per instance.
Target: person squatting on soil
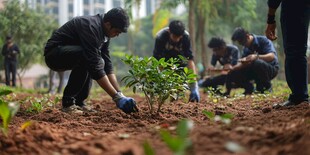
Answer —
(227, 56)
(295, 25)
(82, 45)
(259, 62)
(10, 51)
(173, 41)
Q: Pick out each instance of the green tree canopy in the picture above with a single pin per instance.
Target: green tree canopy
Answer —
(30, 30)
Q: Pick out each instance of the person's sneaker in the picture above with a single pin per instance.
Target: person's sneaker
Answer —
(72, 109)
(87, 108)
(287, 104)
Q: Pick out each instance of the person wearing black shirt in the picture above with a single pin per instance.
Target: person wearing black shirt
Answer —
(173, 41)
(82, 45)
(10, 52)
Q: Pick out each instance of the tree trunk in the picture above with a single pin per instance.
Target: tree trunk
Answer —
(20, 80)
(191, 26)
(201, 29)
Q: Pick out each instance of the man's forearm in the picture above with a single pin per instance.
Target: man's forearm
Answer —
(191, 65)
(105, 84)
(113, 81)
(266, 57)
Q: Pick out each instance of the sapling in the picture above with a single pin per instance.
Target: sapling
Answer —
(158, 79)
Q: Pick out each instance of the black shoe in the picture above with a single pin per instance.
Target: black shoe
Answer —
(286, 104)
(262, 89)
(248, 88)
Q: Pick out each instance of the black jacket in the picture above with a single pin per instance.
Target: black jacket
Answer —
(87, 32)
(10, 54)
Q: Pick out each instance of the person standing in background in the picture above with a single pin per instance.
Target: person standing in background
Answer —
(10, 52)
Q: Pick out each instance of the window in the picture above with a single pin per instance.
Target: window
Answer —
(99, 10)
(55, 10)
(70, 7)
(101, 1)
(116, 3)
(86, 12)
(86, 2)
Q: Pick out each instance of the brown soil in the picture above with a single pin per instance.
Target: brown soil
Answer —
(256, 126)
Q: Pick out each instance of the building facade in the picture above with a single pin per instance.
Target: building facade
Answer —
(64, 10)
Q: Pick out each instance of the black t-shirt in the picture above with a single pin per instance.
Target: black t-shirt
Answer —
(10, 54)
(165, 48)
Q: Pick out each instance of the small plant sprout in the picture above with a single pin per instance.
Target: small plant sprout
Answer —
(224, 118)
(36, 105)
(158, 79)
(7, 110)
(148, 150)
(179, 144)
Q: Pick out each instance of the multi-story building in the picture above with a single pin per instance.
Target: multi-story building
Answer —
(64, 10)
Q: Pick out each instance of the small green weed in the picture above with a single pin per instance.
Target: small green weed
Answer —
(224, 118)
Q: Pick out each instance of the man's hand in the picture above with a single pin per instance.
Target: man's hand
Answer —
(126, 104)
(248, 59)
(270, 32)
(194, 96)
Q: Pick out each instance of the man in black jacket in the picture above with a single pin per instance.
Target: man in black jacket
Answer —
(10, 52)
(81, 45)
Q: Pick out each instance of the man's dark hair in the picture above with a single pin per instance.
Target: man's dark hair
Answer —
(177, 27)
(240, 35)
(118, 18)
(216, 42)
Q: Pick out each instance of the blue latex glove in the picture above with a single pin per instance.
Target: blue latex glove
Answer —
(194, 96)
(126, 104)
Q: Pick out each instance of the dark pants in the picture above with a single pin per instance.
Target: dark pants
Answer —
(295, 24)
(259, 71)
(10, 67)
(214, 82)
(70, 58)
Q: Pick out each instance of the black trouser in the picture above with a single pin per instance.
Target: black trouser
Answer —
(259, 71)
(70, 58)
(295, 25)
(214, 82)
(10, 66)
